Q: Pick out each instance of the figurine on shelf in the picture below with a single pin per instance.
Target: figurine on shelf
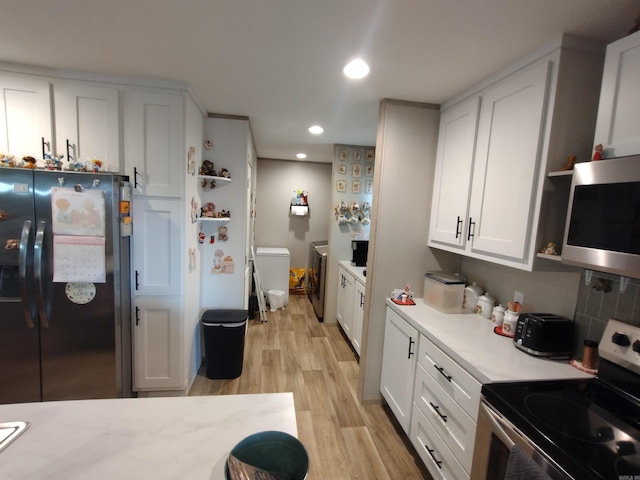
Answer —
(597, 152)
(550, 249)
(211, 183)
(224, 173)
(208, 210)
(225, 214)
(29, 162)
(207, 168)
(571, 161)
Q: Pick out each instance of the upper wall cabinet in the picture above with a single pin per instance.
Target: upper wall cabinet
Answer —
(496, 144)
(85, 121)
(154, 156)
(25, 115)
(619, 110)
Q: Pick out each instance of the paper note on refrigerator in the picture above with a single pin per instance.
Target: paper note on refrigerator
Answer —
(79, 259)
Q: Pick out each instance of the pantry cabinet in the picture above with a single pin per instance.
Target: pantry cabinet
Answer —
(154, 146)
(398, 366)
(490, 175)
(358, 316)
(157, 345)
(619, 109)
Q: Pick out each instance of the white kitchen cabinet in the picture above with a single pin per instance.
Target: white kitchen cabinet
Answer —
(87, 122)
(157, 344)
(448, 397)
(156, 246)
(358, 316)
(25, 115)
(344, 307)
(398, 366)
(454, 166)
(155, 155)
(503, 213)
(619, 109)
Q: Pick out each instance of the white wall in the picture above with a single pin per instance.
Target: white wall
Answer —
(194, 128)
(275, 227)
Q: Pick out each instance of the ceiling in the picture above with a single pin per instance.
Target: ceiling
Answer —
(279, 61)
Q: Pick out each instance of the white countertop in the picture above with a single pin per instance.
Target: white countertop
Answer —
(138, 438)
(469, 340)
(357, 272)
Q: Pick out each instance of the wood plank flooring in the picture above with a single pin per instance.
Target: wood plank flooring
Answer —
(293, 352)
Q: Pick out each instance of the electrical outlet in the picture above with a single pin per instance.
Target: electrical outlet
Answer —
(518, 297)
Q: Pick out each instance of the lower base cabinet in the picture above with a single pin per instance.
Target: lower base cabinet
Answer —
(440, 462)
(434, 399)
(350, 307)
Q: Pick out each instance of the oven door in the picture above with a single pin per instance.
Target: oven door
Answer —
(495, 438)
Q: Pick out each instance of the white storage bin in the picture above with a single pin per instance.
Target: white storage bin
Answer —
(444, 291)
(276, 299)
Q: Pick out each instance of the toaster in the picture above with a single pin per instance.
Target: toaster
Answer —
(544, 335)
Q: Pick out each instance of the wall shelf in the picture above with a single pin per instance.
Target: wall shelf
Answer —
(214, 219)
(221, 180)
(555, 258)
(560, 173)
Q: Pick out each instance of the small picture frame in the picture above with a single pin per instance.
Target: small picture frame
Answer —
(368, 171)
(368, 187)
(356, 170)
(342, 169)
(343, 154)
(355, 186)
(357, 155)
(369, 155)
(341, 186)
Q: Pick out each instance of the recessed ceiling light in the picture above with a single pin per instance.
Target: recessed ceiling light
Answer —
(301, 155)
(356, 69)
(316, 129)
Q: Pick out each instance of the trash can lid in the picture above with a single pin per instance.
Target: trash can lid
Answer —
(224, 316)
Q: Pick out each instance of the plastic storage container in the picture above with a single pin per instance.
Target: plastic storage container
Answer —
(224, 332)
(444, 291)
(276, 299)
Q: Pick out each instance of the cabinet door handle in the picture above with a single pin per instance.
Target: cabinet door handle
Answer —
(471, 224)
(458, 227)
(48, 145)
(137, 280)
(135, 177)
(431, 452)
(137, 316)
(411, 342)
(441, 370)
(436, 409)
(70, 147)
(361, 299)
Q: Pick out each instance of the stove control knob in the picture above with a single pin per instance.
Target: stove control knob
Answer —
(620, 339)
(636, 346)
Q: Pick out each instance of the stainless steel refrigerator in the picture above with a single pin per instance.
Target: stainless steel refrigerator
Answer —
(65, 296)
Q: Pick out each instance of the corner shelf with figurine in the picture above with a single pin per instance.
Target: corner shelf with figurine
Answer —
(211, 179)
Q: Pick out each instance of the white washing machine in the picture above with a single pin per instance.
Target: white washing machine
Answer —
(273, 264)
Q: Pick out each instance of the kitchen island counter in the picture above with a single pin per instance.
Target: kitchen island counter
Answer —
(470, 340)
(134, 438)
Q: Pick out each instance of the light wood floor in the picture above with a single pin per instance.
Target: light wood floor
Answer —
(293, 352)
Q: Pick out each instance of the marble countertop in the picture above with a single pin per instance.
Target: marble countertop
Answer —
(138, 438)
(470, 340)
(357, 272)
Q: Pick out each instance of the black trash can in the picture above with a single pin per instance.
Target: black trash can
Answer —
(224, 332)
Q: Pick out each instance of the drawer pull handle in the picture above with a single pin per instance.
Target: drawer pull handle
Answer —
(438, 462)
(441, 370)
(436, 409)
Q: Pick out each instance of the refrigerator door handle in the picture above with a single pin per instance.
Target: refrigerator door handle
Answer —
(37, 268)
(22, 272)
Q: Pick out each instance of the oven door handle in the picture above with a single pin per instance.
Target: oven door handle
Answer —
(496, 426)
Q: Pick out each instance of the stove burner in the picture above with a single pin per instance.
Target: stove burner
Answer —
(615, 403)
(569, 418)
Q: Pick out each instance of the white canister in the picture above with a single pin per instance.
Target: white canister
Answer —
(485, 305)
(470, 298)
(510, 322)
(497, 315)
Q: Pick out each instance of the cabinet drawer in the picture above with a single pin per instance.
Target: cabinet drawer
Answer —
(453, 379)
(451, 422)
(442, 464)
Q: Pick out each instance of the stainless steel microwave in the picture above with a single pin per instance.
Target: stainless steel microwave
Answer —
(602, 231)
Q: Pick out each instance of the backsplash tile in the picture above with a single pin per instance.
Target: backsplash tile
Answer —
(595, 307)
